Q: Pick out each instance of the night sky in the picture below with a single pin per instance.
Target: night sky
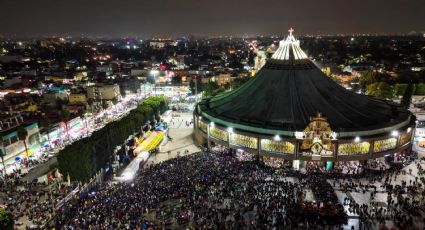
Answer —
(112, 18)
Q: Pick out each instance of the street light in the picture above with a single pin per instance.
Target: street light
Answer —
(357, 139)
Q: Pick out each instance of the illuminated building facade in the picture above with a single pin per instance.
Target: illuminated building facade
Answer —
(291, 110)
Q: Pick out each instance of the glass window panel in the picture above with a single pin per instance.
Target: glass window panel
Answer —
(277, 146)
(384, 145)
(244, 141)
(347, 149)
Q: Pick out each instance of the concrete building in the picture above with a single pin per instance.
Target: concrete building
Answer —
(104, 92)
(77, 99)
(12, 146)
(52, 98)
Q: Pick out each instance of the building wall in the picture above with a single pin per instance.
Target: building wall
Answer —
(107, 92)
(222, 79)
(378, 146)
(12, 81)
(138, 72)
(13, 146)
(77, 99)
(52, 98)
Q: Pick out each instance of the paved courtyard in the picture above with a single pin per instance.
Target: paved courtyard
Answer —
(179, 141)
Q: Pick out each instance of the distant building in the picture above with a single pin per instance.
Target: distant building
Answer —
(9, 58)
(52, 98)
(138, 72)
(130, 85)
(11, 81)
(77, 99)
(223, 78)
(50, 42)
(104, 92)
(107, 69)
(12, 146)
(160, 43)
(10, 121)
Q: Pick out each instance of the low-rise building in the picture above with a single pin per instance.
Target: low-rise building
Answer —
(12, 146)
(52, 98)
(77, 99)
(104, 92)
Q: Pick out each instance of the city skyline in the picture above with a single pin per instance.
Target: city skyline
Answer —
(111, 18)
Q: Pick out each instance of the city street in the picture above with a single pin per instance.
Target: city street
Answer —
(113, 113)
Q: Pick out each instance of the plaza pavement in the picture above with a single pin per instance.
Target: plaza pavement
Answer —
(181, 133)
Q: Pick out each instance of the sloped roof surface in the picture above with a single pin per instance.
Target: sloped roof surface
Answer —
(285, 94)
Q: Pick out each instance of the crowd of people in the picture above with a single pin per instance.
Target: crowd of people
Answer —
(205, 190)
(404, 203)
(32, 204)
(218, 190)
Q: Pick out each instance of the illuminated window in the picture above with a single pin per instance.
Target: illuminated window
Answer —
(405, 138)
(243, 141)
(202, 126)
(218, 133)
(277, 146)
(347, 149)
(384, 145)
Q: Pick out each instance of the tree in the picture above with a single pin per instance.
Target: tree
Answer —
(420, 89)
(22, 135)
(211, 88)
(380, 89)
(400, 89)
(64, 117)
(386, 90)
(407, 96)
(2, 154)
(193, 85)
(114, 101)
(6, 220)
(105, 104)
(46, 124)
(90, 102)
(176, 80)
(82, 115)
(86, 157)
(238, 81)
(373, 77)
(251, 58)
(123, 93)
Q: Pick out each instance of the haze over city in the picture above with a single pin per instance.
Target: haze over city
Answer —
(144, 18)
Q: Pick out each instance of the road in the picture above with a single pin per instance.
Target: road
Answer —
(113, 113)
